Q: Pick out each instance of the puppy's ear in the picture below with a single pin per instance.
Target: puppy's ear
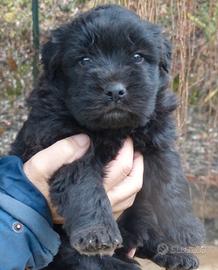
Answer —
(165, 61)
(166, 55)
(51, 53)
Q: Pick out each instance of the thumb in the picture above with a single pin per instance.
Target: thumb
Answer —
(46, 162)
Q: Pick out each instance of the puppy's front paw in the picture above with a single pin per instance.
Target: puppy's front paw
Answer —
(178, 261)
(101, 240)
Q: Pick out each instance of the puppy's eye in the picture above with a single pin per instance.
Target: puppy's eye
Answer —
(138, 58)
(85, 61)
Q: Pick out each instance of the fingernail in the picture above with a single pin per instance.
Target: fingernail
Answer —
(81, 139)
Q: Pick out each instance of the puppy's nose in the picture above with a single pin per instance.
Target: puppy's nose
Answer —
(116, 91)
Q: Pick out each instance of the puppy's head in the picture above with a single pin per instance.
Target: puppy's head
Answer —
(110, 65)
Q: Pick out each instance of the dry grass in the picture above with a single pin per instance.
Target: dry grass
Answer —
(191, 24)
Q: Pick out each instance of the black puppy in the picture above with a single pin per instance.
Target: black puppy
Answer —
(106, 74)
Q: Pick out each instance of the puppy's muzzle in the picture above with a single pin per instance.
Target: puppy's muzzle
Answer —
(115, 91)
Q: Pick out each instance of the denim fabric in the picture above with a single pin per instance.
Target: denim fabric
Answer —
(26, 235)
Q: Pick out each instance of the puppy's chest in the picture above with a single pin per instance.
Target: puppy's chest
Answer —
(106, 148)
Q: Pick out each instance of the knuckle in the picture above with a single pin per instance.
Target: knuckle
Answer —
(67, 147)
(126, 169)
(131, 201)
(140, 185)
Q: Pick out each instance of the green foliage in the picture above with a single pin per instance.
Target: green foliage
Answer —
(206, 21)
(80, 1)
(67, 7)
(176, 83)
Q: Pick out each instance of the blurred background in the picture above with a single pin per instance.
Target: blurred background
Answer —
(192, 27)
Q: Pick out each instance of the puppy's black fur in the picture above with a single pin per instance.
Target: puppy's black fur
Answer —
(106, 74)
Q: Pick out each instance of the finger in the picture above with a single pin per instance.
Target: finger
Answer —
(130, 185)
(131, 253)
(46, 162)
(123, 205)
(119, 168)
(42, 165)
(137, 170)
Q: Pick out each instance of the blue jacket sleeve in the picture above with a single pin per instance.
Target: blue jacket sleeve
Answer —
(26, 235)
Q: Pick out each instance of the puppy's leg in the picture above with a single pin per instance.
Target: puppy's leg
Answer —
(168, 193)
(140, 229)
(161, 217)
(172, 257)
(78, 193)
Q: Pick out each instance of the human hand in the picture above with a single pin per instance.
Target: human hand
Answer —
(122, 182)
(124, 178)
(45, 163)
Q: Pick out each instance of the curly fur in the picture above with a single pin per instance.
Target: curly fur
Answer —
(71, 98)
